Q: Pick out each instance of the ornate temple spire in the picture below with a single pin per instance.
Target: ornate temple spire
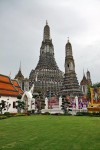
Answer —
(20, 66)
(88, 77)
(69, 61)
(70, 84)
(68, 49)
(84, 79)
(19, 75)
(68, 40)
(46, 22)
(83, 72)
(47, 60)
(46, 34)
(46, 46)
(85, 82)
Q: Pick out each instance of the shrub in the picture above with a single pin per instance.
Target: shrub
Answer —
(33, 111)
(56, 114)
(95, 114)
(3, 117)
(13, 114)
(7, 114)
(46, 113)
(82, 114)
(20, 114)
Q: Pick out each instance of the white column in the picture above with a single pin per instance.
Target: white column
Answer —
(76, 100)
(46, 103)
(60, 102)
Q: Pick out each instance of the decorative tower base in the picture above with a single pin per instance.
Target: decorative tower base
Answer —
(70, 86)
(70, 83)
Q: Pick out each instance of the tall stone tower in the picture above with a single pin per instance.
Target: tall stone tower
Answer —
(47, 74)
(70, 83)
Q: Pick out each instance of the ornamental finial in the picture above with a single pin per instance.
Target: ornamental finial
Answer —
(68, 39)
(83, 72)
(20, 66)
(46, 22)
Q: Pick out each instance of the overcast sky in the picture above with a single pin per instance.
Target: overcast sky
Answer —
(21, 34)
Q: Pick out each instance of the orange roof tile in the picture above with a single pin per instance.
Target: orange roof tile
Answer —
(16, 84)
(4, 78)
(6, 87)
(8, 93)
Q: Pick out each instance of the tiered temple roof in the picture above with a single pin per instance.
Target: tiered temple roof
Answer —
(86, 79)
(19, 75)
(16, 84)
(7, 88)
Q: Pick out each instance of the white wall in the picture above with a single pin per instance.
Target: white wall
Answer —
(9, 104)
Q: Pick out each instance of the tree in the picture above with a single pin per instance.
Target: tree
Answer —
(42, 100)
(19, 96)
(20, 105)
(39, 101)
(88, 93)
(96, 85)
(65, 105)
(38, 104)
(2, 105)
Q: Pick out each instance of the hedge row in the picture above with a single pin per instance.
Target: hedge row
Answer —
(7, 115)
(94, 114)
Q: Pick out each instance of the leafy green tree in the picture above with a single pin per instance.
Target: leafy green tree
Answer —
(19, 96)
(88, 93)
(20, 105)
(96, 85)
(2, 105)
(39, 101)
(42, 100)
(65, 105)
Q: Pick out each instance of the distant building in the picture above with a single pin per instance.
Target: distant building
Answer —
(70, 84)
(85, 82)
(23, 82)
(47, 77)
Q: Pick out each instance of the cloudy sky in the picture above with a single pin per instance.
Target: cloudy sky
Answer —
(21, 34)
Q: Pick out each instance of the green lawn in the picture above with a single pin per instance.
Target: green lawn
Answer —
(50, 133)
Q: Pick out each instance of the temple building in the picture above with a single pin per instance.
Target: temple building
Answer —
(23, 82)
(70, 84)
(85, 82)
(47, 77)
(9, 93)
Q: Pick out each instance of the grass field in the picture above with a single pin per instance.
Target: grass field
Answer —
(50, 133)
